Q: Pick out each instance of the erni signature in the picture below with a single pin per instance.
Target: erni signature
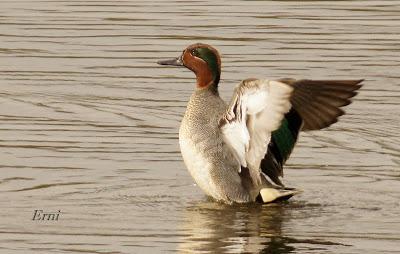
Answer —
(41, 215)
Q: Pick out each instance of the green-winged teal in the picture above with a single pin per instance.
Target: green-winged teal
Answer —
(236, 152)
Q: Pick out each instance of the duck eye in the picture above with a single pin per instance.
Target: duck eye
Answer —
(193, 52)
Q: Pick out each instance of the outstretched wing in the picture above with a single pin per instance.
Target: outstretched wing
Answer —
(315, 105)
(264, 118)
(318, 101)
(256, 110)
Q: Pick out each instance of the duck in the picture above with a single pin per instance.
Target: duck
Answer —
(235, 151)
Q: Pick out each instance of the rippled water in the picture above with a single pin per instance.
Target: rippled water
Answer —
(89, 126)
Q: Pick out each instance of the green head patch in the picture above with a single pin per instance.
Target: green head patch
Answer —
(211, 59)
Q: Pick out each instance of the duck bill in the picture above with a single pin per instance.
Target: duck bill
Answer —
(174, 62)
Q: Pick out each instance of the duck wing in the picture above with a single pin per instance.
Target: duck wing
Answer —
(255, 111)
(315, 105)
(264, 118)
(318, 102)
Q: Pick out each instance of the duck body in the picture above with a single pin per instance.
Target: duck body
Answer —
(206, 155)
(235, 151)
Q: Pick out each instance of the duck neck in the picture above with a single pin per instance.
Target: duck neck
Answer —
(207, 77)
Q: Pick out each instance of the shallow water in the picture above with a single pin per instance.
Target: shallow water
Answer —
(89, 126)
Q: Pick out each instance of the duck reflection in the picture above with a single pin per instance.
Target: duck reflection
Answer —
(218, 228)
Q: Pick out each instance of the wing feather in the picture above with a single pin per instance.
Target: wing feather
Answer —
(264, 118)
(256, 110)
(318, 101)
(315, 105)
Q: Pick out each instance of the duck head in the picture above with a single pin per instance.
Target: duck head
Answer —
(203, 60)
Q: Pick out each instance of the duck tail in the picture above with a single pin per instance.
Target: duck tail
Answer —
(269, 195)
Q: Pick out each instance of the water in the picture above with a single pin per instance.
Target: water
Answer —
(89, 126)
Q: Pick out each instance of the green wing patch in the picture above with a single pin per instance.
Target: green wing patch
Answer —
(281, 146)
(286, 136)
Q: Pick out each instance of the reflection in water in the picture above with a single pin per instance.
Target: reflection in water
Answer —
(257, 228)
(235, 229)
